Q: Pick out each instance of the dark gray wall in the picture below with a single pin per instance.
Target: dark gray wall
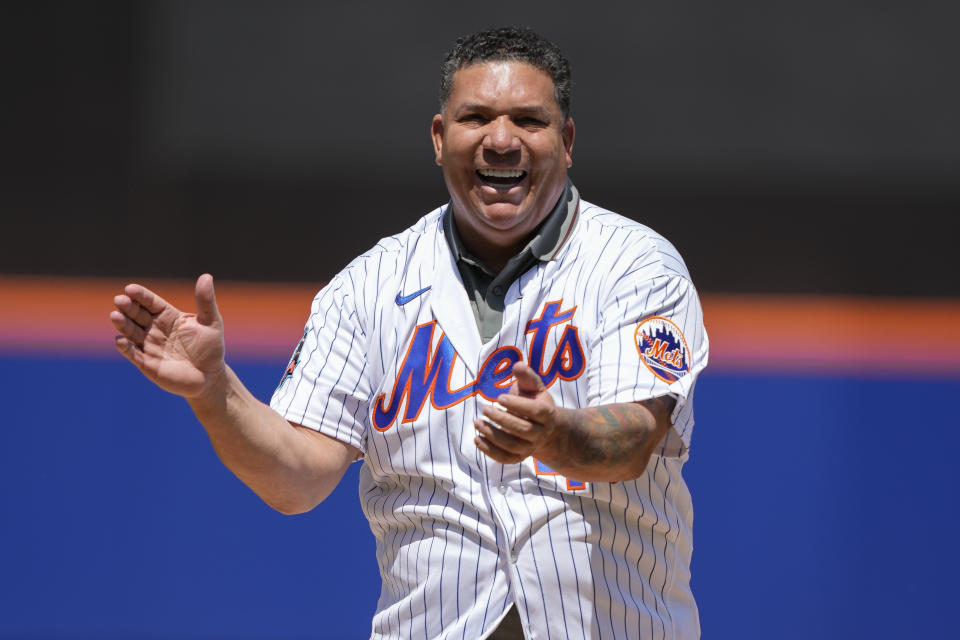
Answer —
(782, 147)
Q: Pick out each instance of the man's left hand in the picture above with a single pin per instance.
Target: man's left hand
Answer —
(523, 423)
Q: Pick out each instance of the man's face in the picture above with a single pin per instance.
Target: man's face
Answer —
(504, 146)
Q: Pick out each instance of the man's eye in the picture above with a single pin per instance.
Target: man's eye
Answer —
(473, 118)
(530, 122)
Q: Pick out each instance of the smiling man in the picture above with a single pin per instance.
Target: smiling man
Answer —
(516, 371)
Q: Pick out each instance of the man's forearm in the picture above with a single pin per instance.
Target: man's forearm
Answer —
(609, 443)
(290, 467)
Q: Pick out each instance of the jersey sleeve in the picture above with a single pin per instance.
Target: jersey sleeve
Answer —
(325, 386)
(651, 342)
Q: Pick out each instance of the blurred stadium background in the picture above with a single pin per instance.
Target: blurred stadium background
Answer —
(804, 158)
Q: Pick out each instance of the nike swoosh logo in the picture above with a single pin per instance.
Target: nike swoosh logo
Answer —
(404, 299)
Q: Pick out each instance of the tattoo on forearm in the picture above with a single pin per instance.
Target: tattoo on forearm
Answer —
(613, 434)
(605, 435)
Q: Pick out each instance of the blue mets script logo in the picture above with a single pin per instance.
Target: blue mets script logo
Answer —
(663, 348)
(425, 371)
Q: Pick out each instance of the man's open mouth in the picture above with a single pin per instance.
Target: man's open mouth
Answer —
(501, 178)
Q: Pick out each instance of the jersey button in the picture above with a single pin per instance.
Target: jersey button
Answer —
(513, 557)
(502, 488)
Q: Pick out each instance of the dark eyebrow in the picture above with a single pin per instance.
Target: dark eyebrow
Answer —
(534, 111)
(538, 112)
(471, 107)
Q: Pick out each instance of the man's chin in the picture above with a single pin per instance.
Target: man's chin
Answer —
(502, 210)
(504, 217)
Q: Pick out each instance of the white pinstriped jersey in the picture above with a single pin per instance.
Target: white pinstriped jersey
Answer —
(392, 363)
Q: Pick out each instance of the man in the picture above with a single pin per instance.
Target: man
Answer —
(515, 370)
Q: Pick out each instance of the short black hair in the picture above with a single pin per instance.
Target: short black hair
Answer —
(518, 44)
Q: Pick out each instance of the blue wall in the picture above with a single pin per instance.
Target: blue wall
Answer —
(825, 507)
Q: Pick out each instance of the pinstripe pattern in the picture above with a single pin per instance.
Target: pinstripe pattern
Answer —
(461, 537)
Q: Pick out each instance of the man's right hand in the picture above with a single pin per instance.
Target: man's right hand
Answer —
(180, 352)
(291, 467)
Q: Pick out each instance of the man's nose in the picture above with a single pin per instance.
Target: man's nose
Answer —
(501, 137)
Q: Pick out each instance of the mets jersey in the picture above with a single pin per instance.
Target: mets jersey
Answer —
(392, 363)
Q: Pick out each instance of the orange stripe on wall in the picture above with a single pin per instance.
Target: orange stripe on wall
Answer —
(747, 332)
(57, 315)
(827, 333)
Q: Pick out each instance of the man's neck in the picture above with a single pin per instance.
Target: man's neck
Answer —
(493, 256)
(494, 253)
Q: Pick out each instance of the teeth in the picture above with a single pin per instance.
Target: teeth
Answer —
(501, 173)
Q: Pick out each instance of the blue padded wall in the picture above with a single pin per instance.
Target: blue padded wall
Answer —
(825, 507)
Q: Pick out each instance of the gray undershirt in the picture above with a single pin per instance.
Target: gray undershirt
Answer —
(487, 289)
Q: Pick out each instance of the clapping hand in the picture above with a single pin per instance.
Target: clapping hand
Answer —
(180, 352)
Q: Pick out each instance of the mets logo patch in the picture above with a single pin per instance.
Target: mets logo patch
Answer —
(663, 348)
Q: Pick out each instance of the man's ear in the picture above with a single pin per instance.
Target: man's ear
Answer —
(568, 133)
(436, 135)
